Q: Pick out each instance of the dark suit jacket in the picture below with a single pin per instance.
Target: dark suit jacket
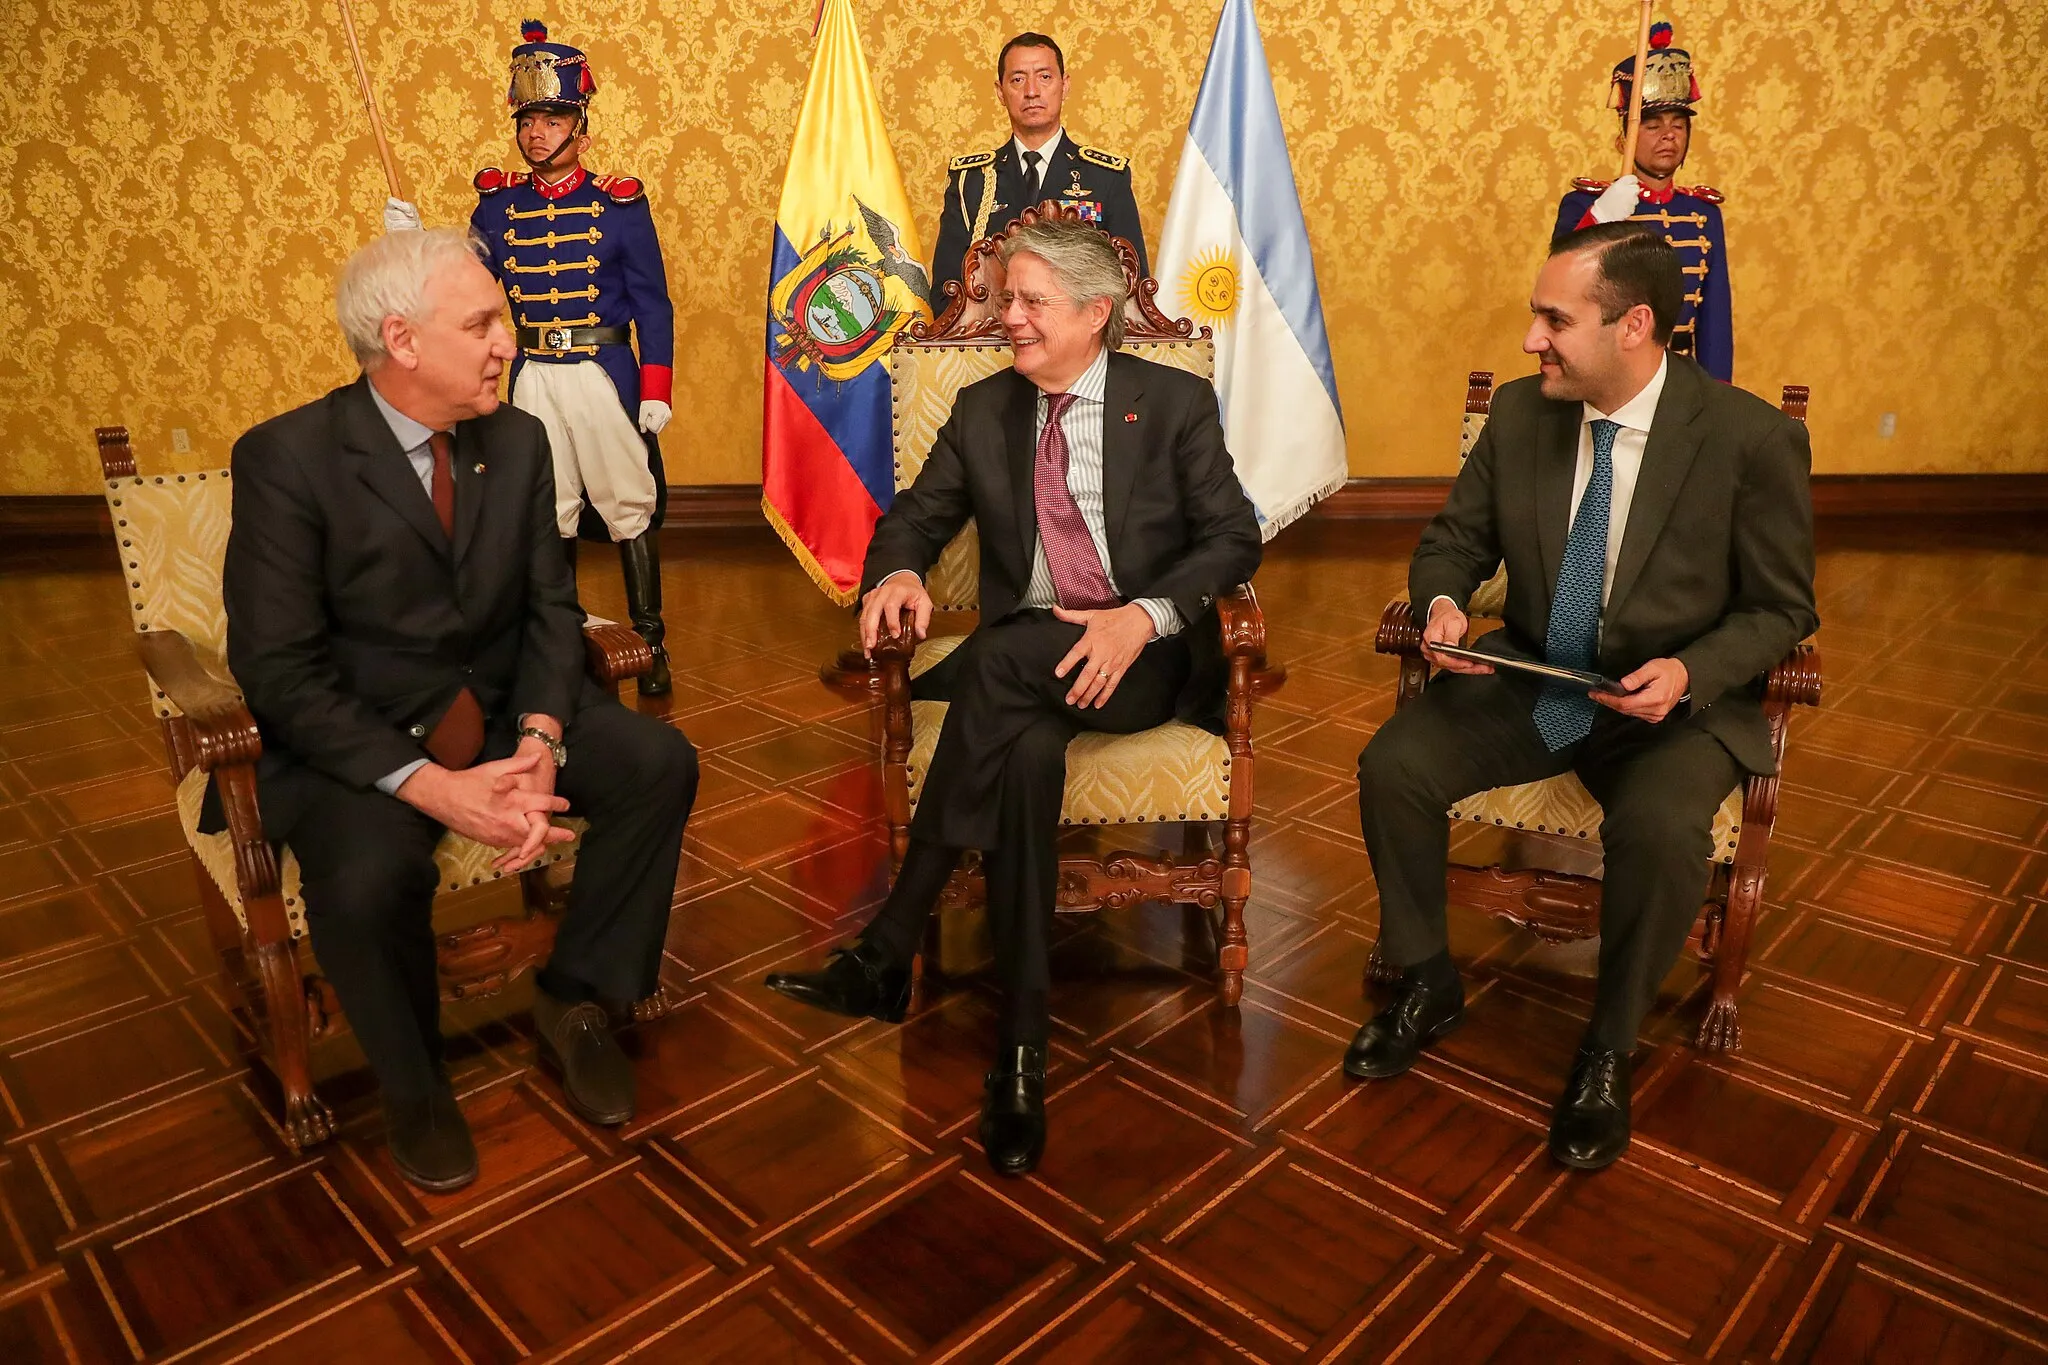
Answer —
(352, 620)
(1177, 520)
(1716, 562)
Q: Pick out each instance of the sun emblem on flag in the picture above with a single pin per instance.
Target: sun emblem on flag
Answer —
(1209, 287)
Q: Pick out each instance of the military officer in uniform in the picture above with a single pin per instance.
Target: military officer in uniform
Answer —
(580, 263)
(987, 189)
(1688, 216)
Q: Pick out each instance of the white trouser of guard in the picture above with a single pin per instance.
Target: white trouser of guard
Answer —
(597, 448)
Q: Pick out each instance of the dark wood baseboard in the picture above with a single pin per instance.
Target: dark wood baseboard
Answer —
(730, 505)
(56, 517)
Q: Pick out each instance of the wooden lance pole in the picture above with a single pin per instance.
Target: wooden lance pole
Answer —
(1629, 134)
(355, 51)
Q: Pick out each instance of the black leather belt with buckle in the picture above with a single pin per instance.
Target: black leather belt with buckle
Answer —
(554, 340)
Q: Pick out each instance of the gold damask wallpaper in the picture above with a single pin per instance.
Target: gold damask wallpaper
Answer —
(184, 176)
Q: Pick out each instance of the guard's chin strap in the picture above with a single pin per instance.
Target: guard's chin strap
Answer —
(559, 148)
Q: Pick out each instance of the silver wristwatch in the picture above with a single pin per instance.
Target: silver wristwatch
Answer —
(556, 749)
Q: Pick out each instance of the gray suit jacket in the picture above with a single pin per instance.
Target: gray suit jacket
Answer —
(1716, 562)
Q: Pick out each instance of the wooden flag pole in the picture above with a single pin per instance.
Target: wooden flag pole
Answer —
(355, 51)
(1629, 135)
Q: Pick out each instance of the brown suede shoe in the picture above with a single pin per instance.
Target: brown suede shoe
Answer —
(576, 1042)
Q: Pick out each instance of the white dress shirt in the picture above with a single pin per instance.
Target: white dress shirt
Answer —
(1045, 154)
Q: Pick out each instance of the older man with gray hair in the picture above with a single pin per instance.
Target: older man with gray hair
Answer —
(1111, 518)
(408, 639)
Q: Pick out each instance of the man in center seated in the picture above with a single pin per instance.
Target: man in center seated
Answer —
(1111, 518)
(1686, 574)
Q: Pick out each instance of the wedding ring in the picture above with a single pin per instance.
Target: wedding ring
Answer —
(1102, 673)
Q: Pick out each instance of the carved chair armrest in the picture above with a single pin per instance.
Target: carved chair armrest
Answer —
(1398, 632)
(1242, 624)
(217, 735)
(1795, 680)
(892, 656)
(613, 653)
(222, 731)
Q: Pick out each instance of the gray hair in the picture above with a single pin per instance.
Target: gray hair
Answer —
(1085, 261)
(388, 277)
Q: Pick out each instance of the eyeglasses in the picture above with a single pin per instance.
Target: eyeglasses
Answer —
(1034, 304)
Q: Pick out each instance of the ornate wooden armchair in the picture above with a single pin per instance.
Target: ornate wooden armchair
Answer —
(1545, 877)
(1176, 773)
(172, 532)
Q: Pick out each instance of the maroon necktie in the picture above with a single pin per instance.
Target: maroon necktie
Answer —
(444, 481)
(1077, 574)
(459, 736)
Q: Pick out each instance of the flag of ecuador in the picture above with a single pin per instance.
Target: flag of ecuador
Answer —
(847, 277)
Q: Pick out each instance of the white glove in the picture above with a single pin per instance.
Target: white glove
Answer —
(400, 216)
(1618, 201)
(654, 415)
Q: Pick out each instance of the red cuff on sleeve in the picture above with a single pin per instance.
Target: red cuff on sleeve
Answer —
(657, 381)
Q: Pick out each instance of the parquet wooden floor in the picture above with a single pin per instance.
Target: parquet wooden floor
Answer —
(1868, 1180)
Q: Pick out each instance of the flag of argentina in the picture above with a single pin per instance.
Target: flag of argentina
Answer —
(1235, 256)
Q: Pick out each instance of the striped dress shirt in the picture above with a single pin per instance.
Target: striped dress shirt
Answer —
(1083, 427)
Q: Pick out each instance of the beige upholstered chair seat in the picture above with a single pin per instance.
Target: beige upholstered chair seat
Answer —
(461, 862)
(1174, 771)
(1562, 805)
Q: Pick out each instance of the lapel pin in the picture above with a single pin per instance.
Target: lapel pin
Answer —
(479, 469)
(1130, 417)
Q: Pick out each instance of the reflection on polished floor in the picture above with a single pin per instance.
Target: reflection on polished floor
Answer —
(1867, 1180)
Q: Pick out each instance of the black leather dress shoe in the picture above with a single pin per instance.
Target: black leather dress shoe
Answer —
(1392, 1039)
(429, 1141)
(576, 1041)
(857, 981)
(1590, 1128)
(1013, 1110)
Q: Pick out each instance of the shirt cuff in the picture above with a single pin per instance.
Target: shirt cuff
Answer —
(392, 781)
(1431, 611)
(1165, 616)
(898, 574)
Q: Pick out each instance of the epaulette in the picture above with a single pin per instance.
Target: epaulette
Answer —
(490, 180)
(1706, 192)
(970, 161)
(623, 189)
(1101, 158)
(1583, 183)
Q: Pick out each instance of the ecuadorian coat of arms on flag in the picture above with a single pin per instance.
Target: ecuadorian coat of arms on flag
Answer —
(846, 277)
(846, 299)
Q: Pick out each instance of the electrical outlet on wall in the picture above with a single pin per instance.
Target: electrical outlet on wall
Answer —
(1888, 425)
(181, 441)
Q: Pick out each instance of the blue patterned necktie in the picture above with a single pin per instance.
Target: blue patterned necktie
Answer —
(1565, 716)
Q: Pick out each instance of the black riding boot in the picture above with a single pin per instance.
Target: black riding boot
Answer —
(640, 561)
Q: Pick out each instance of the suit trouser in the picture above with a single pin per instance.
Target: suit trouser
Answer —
(1658, 787)
(366, 862)
(997, 778)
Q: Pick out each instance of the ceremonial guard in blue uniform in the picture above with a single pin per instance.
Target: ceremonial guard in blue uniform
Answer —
(582, 267)
(1688, 215)
(986, 190)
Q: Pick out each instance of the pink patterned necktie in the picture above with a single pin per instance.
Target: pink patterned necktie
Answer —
(1077, 573)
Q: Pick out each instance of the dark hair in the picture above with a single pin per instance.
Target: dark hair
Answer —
(1636, 266)
(1030, 40)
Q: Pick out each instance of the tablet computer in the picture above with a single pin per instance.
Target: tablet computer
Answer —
(1554, 673)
